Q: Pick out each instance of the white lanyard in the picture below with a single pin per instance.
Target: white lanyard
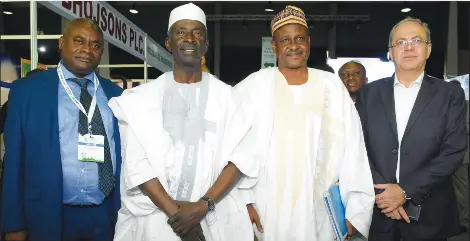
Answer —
(91, 111)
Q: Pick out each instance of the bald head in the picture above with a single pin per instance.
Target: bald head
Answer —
(353, 75)
(355, 64)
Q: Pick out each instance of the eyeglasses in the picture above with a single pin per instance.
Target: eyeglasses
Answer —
(403, 43)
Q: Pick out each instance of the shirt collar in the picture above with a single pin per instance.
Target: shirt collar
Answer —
(68, 75)
(418, 81)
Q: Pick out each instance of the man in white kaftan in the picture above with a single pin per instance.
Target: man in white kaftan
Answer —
(308, 137)
(183, 134)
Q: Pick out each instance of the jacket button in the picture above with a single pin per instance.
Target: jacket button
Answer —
(394, 151)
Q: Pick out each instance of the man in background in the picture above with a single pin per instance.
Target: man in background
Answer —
(354, 76)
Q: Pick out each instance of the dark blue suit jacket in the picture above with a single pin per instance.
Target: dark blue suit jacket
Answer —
(32, 183)
(433, 145)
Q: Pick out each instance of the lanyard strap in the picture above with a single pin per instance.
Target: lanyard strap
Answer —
(91, 111)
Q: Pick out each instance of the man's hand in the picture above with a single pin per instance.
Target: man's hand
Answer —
(391, 198)
(398, 214)
(254, 217)
(188, 217)
(351, 229)
(17, 236)
(196, 234)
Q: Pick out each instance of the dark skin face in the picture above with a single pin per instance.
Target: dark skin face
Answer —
(187, 43)
(291, 43)
(81, 48)
(353, 76)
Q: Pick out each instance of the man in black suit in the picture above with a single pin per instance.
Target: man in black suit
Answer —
(415, 133)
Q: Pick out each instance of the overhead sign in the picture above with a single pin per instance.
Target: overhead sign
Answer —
(158, 57)
(117, 29)
(268, 57)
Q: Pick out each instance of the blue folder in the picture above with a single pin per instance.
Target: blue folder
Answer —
(336, 212)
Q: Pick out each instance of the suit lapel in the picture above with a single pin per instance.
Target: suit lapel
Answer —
(45, 112)
(388, 101)
(49, 97)
(425, 94)
(106, 88)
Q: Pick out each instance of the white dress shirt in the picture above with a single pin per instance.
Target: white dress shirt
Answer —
(404, 101)
(297, 92)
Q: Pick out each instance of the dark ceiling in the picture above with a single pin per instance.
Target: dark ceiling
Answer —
(241, 40)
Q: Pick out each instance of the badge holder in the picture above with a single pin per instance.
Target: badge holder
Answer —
(91, 147)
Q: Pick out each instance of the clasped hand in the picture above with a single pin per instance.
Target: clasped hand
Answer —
(186, 222)
(391, 201)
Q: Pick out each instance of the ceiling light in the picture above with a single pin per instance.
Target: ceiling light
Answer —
(42, 49)
(133, 9)
(269, 7)
(405, 10)
(7, 13)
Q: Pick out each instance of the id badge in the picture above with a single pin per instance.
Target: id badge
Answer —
(91, 148)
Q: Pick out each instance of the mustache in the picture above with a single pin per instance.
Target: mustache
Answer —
(85, 57)
(188, 46)
(294, 52)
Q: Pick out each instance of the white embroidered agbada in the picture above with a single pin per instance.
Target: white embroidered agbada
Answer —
(307, 138)
(184, 135)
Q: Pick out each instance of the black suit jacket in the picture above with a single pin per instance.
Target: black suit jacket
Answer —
(432, 148)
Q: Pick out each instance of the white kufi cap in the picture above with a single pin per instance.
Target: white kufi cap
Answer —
(187, 12)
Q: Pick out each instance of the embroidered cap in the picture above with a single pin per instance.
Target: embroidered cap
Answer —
(289, 15)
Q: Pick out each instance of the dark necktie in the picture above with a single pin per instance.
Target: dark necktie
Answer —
(105, 170)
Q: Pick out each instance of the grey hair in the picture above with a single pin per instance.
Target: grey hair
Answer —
(414, 20)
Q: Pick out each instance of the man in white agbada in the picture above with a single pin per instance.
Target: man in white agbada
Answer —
(308, 136)
(182, 151)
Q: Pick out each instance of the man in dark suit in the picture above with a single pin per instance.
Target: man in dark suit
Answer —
(62, 160)
(414, 128)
